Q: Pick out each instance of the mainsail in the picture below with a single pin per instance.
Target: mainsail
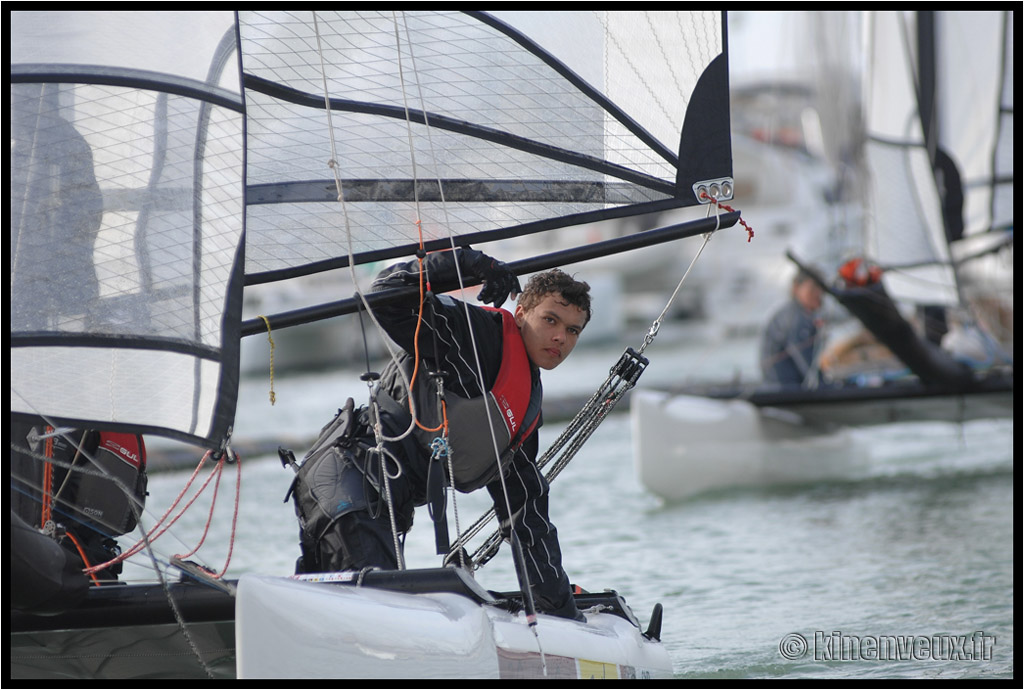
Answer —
(472, 125)
(245, 148)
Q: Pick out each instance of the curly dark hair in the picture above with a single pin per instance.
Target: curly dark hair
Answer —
(574, 292)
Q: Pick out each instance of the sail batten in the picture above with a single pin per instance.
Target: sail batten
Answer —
(366, 253)
(131, 78)
(482, 191)
(415, 116)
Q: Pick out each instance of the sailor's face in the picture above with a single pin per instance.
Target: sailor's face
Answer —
(808, 294)
(550, 330)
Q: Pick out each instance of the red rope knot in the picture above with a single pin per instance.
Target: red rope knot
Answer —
(716, 202)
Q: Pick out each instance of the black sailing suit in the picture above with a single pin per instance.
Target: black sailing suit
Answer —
(445, 343)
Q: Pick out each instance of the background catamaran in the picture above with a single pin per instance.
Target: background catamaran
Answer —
(220, 151)
(936, 179)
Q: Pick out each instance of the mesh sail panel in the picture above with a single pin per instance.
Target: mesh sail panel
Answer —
(127, 216)
(458, 123)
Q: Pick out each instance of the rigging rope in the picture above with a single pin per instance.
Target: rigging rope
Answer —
(622, 377)
(480, 381)
(718, 204)
(163, 524)
(378, 430)
(83, 556)
(332, 163)
(462, 291)
(47, 511)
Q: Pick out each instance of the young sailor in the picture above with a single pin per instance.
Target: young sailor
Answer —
(483, 357)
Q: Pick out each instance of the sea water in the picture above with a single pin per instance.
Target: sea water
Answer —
(905, 572)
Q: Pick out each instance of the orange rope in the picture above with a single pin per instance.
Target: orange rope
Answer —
(416, 344)
(209, 517)
(47, 489)
(85, 559)
(234, 519)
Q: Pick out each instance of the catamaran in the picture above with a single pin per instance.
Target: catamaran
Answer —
(164, 162)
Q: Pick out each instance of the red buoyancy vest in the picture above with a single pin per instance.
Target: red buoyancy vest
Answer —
(513, 387)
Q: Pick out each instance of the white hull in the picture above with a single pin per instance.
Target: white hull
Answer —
(687, 445)
(287, 628)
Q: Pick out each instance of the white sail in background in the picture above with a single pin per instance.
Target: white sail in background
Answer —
(903, 226)
(974, 93)
(939, 126)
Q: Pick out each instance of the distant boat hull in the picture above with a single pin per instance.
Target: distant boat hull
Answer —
(729, 437)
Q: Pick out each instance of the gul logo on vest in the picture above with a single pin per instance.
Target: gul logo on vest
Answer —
(510, 416)
(126, 454)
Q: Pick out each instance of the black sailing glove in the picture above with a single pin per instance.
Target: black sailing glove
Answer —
(499, 281)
